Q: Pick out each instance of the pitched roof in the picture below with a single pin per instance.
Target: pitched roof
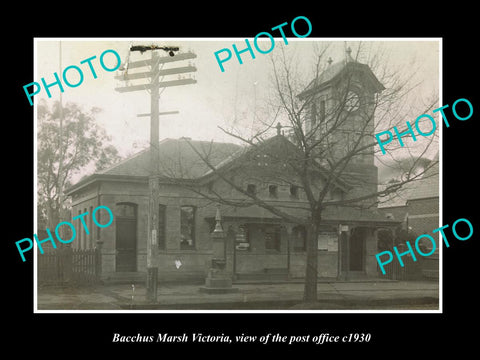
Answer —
(182, 159)
(178, 159)
(278, 147)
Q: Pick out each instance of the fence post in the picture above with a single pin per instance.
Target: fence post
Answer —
(67, 253)
(98, 261)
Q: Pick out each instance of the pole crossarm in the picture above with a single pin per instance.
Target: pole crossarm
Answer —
(143, 75)
(162, 84)
(160, 113)
(161, 60)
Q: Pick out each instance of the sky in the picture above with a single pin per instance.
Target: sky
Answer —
(226, 99)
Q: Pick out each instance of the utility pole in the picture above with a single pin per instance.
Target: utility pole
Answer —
(153, 179)
(59, 216)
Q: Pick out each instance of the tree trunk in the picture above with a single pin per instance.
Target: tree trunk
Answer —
(52, 217)
(310, 290)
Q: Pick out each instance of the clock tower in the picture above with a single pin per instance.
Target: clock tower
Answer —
(339, 116)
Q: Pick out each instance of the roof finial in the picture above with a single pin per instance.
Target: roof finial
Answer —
(279, 128)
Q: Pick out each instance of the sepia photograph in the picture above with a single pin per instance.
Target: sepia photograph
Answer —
(238, 175)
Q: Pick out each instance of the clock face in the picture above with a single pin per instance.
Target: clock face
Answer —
(353, 101)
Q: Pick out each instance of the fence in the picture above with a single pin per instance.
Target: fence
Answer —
(410, 271)
(67, 265)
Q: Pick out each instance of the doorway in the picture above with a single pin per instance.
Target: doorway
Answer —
(357, 248)
(352, 251)
(126, 238)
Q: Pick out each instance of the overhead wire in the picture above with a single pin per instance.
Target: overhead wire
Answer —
(135, 130)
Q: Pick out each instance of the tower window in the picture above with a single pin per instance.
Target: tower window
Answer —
(337, 195)
(210, 187)
(321, 111)
(251, 189)
(313, 120)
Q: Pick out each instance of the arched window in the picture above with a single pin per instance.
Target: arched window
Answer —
(126, 210)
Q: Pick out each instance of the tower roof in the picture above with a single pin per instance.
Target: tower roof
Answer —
(334, 71)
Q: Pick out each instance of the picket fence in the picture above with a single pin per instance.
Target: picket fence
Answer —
(67, 265)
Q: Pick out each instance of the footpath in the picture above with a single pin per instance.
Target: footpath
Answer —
(261, 296)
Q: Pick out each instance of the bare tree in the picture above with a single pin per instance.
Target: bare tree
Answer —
(330, 122)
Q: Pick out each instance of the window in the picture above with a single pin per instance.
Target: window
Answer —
(242, 238)
(322, 242)
(299, 235)
(321, 111)
(251, 189)
(272, 239)
(294, 191)
(162, 215)
(352, 102)
(187, 227)
(337, 195)
(273, 191)
(125, 210)
(313, 120)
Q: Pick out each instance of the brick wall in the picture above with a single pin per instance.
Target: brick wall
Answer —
(195, 261)
(364, 180)
(423, 206)
(423, 216)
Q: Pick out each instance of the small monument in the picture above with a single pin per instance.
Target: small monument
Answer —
(218, 280)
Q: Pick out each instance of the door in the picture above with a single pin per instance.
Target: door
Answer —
(126, 240)
(357, 250)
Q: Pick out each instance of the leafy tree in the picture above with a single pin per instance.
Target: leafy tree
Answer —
(68, 140)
